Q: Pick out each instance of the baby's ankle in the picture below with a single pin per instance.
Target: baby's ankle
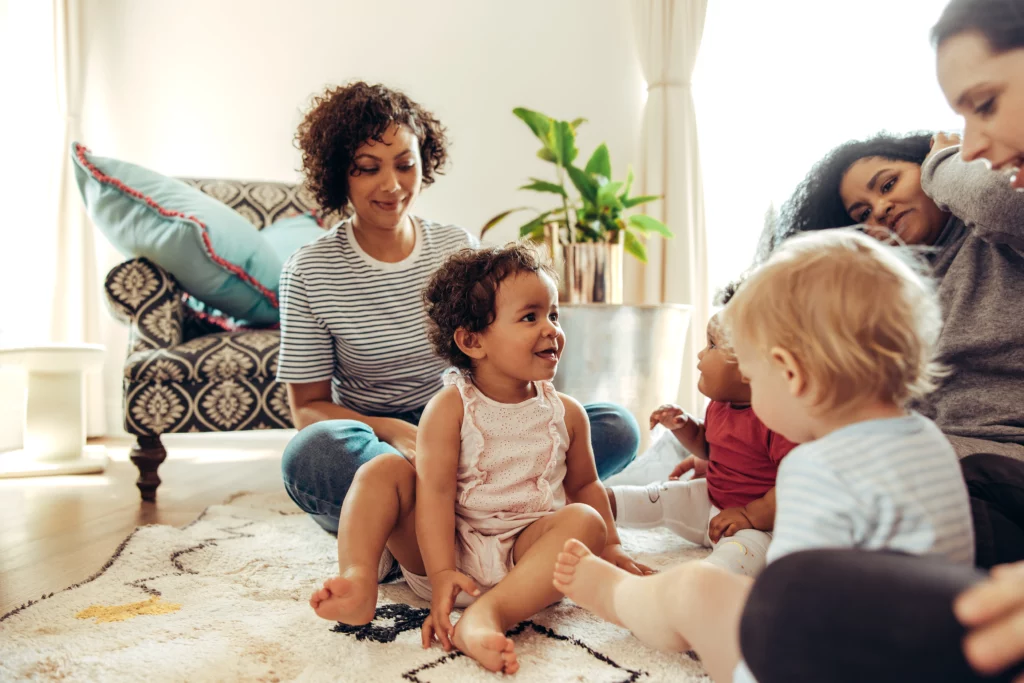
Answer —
(357, 572)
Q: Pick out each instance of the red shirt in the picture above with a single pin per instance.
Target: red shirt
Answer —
(743, 455)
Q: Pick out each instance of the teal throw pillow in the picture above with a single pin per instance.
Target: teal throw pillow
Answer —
(216, 255)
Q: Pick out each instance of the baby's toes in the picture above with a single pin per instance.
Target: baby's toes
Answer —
(508, 656)
(567, 559)
(574, 548)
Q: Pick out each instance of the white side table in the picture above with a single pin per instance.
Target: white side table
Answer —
(54, 435)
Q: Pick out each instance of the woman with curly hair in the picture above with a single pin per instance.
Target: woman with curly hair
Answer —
(354, 347)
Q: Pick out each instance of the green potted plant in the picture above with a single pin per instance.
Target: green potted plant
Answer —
(589, 232)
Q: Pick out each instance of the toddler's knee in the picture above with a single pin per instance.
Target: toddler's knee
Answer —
(389, 467)
(587, 525)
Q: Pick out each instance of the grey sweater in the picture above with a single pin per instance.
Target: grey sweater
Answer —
(979, 263)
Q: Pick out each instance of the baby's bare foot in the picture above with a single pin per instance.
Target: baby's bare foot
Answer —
(588, 580)
(350, 598)
(479, 635)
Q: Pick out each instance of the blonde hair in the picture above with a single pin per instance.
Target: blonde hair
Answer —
(857, 315)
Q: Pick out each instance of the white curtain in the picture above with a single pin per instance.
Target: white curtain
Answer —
(53, 266)
(668, 36)
(753, 56)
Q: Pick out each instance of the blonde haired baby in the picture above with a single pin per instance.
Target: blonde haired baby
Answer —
(835, 334)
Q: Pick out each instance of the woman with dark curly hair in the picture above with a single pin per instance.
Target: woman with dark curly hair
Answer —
(354, 348)
(919, 189)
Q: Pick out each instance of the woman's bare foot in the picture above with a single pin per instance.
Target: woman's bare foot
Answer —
(350, 598)
(479, 635)
(588, 580)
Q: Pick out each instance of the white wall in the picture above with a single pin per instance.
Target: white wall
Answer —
(215, 88)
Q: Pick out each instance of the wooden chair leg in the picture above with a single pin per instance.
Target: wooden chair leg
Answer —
(147, 454)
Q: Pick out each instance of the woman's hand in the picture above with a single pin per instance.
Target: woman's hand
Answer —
(993, 611)
(399, 434)
(445, 586)
(614, 554)
(698, 465)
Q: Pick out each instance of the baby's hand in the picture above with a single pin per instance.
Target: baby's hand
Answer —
(614, 554)
(445, 587)
(669, 416)
(727, 523)
(698, 465)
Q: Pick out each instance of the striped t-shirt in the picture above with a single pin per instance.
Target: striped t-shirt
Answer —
(360, 322)
(890, 484)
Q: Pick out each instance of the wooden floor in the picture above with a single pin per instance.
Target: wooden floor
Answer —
(56, 531)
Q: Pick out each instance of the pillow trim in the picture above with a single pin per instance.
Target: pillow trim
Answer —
(222, 321)
(238, 271)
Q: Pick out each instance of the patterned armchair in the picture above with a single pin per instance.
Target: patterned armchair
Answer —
(184, 373)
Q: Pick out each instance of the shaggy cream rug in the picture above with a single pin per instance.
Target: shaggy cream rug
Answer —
(225, 598)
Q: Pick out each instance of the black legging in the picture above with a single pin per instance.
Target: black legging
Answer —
(853, 616)
(857, 616)
(996, 486)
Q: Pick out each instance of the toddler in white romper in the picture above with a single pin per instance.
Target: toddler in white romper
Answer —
(511, 468)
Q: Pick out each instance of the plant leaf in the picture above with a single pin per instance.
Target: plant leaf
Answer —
(538, 123)
(544, 186)
(589, 231)
(630, 202)
(575, 123)
(635, 246)
(499, 218)
(586, 185)
(629, 183)
(533, 232)
(610, 225)
(545, 154)
(563, 143)
(606, 197)
(535, 227)
(647, 224)
(600, 162)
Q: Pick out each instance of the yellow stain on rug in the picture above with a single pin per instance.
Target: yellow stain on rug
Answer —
(107, 613)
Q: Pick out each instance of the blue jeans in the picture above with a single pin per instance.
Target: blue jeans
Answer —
(319, 463)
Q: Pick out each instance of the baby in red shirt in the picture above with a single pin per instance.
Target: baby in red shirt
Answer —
(729, 505)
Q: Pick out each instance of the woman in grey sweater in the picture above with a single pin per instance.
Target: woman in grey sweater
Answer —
(861, 616)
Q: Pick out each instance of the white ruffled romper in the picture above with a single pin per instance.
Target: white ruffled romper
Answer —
(511, 469)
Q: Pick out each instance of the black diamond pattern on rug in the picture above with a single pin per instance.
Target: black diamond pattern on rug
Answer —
(389, 622)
